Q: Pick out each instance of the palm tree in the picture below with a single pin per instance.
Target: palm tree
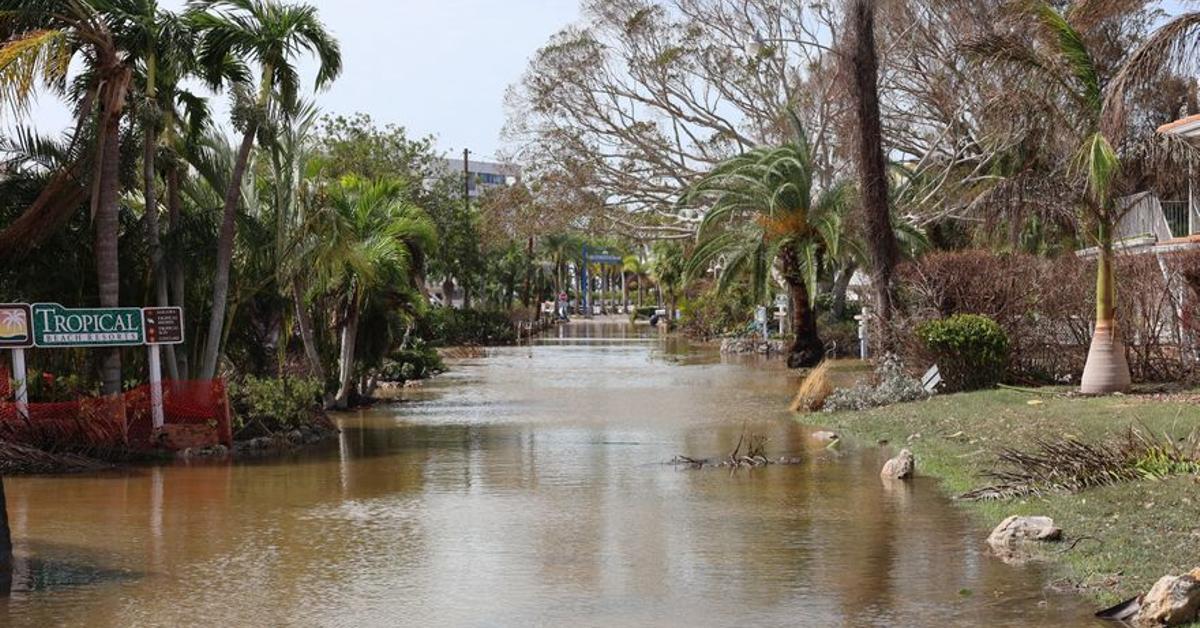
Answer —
(668, 267)
(371, 236)
(560, 247)
(169, 47)
(873, 182)
(764, 215)
(270, 34)
(634, 265)
(1091, 118)
(41, 38)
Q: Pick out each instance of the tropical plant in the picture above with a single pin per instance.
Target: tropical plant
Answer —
(270, 34)
(41, 39)
(1058, 61)
(764, 215)
(371, 235)
(668, 267)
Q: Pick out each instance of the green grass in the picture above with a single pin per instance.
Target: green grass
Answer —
(1142, 530)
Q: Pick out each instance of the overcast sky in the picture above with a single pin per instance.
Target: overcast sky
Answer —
(434, 66)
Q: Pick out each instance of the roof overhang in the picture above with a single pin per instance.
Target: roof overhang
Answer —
(1188, 127)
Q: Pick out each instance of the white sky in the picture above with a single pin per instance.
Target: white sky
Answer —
(436, 67)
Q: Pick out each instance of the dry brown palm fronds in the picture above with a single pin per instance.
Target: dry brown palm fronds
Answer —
(1070, 465)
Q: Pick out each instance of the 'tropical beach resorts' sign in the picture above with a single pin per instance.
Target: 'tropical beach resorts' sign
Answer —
(57, 326)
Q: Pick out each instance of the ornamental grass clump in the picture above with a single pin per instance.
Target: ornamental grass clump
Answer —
(971, 351)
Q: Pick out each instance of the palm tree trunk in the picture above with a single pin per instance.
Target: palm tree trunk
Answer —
(174, 217)
(306, 332)
(807, 349)
(107, 233)
(624, 291)
(1106, 370)
(153, 240)
(212, 348)
(346, 359)
(871, 171)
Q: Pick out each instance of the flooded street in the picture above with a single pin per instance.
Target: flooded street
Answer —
(525, 488)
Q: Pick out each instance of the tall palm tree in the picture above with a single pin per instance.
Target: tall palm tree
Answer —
(668, 266)
(270, 34)
(41, 39)
(371, 236)
(1092, 114)
(873, 182)
(764, 215)
(169, 57)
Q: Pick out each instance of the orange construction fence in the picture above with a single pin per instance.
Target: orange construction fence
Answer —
(195, 413)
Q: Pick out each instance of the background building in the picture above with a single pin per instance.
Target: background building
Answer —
(484, 175)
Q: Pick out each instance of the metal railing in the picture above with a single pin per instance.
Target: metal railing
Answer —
(1176, 214)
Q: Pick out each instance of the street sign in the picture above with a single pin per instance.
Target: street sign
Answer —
(164, 325)
(57, 326)
(602, 258)
(16, 332)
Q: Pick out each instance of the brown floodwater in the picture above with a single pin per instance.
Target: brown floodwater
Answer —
(527, 487)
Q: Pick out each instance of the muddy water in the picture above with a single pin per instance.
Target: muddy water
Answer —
(524, 488)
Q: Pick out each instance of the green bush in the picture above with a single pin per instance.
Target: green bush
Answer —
(714, 313)
(971, 351)
(410, 364)
(446, 327)
(275, 403)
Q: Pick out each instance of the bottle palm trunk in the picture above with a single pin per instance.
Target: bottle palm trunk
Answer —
(1106, 370)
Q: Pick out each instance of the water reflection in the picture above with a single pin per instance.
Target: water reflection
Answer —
(528, 487)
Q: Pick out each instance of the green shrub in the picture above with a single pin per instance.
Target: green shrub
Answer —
(446, 327)
(715, 313)
(410, 364)
(971, 351)
(274, 403)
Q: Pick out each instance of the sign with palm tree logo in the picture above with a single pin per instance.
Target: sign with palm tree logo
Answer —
(16, 330)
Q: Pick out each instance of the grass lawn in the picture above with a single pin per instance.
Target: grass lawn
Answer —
(1138, 531)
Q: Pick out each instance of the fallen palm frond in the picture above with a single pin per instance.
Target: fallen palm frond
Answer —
(754, 456)
(1070, 465)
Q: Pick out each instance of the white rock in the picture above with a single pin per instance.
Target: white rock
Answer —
(1016, 529)
(1172, 601)
(899, 468)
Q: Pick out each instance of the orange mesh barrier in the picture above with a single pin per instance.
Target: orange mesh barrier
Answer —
(100, 423)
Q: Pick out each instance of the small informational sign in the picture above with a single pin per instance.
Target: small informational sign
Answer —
(164, 325)
(931, 379)
(16, 326)
(57, 326)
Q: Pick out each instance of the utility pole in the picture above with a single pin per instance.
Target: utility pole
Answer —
(466, 208)
(466, 180)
